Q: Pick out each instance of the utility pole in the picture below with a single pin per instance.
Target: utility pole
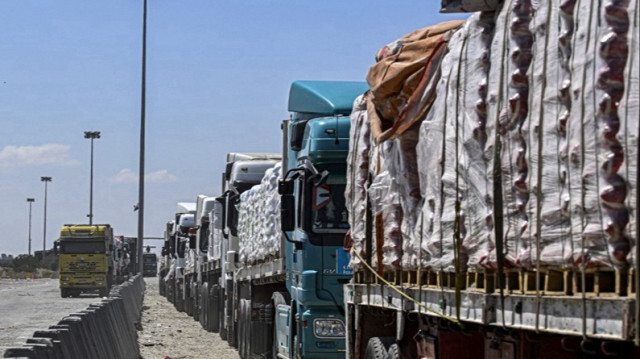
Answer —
(46, 180)
(92, 135)
(30, 201)
(142, 137)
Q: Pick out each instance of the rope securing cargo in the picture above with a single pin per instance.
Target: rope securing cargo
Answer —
(405, 295)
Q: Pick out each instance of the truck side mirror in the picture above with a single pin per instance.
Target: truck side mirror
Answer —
(297, 134)
(192, 241)
(55, 248)
(227, 172)
(287, 212)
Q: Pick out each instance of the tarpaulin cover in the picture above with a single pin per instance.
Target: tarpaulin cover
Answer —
(533, 127)
(448, 6)
(402, 66)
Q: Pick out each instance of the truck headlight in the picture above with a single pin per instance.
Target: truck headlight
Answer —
(328, 328)
(65, 278)
(99, 279)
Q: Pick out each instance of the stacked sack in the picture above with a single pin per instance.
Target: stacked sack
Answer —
(259, 219)
(382, 163)
(519, 130)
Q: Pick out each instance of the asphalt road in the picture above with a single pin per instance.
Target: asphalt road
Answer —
(30, 305)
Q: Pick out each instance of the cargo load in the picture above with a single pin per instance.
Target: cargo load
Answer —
(495, 186)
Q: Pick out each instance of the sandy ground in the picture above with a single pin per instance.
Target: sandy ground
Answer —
(167, 333)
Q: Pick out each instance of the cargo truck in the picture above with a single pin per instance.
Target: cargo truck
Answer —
(176, 246)
(218, 234)
(196, 253)
(86, 259)
(492, 187)
(149, 264)
(273, 293)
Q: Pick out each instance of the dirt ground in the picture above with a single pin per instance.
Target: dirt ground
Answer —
(167, 333)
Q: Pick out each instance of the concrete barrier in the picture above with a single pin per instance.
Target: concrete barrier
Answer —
(105, 330)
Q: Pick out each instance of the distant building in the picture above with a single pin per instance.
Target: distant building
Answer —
(5, 259)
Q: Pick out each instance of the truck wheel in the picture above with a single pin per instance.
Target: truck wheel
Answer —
(104, 292)
(278, 299)
(64, 292)
(393, 352)
(204, 305)
(186, 295)
(377, 347)
(247, 331)
(232, 328)
(241, 329)
(213, 310)
(244, 337)
(221, 313)
(196, 301)
(179, 301)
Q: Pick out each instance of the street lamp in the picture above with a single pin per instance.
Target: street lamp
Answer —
(142, 138)
(30, 200)
(92, 135)
(46, 180)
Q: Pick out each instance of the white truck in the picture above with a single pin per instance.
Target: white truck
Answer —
(178, 234)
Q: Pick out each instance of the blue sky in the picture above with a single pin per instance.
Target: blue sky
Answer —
(218, 75)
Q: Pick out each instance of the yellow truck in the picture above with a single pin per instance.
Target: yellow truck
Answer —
(85, 255)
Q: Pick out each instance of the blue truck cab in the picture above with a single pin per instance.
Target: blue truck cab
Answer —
(314, 219)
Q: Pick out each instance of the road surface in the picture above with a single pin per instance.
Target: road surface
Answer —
(30, 305)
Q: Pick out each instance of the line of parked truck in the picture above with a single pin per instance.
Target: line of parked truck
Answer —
(477, 197)
(91, 258)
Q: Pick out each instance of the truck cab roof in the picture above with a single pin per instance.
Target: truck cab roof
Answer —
(324, 98)
(249, 172)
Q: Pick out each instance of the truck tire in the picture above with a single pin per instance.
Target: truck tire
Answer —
(275, 346)
(64, 292)
(204, 305)
(231, 333)
(195, 290)
(247, 331)
(221, 312)
(377, 347)
(241, 330)
(186, 295)
(213, 310)
(393, 352)
(178, 301)
(278, 299)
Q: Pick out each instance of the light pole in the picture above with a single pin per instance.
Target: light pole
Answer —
(46, 180)
(30, 200)
(92, 135)
(142, 133)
